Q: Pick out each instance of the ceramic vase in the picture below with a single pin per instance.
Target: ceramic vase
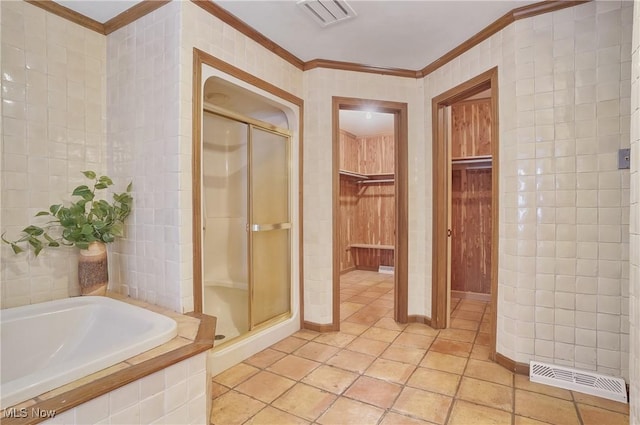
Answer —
(93, 274)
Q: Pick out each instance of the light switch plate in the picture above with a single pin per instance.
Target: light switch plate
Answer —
(624, 159)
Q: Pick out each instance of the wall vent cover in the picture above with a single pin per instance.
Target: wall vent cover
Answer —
(327, 12)
(582, 381)
(385, 269)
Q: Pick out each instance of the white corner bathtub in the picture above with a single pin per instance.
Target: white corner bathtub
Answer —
(44, 346)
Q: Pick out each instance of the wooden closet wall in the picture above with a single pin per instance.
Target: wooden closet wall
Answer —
(367, 210)
(471, 197)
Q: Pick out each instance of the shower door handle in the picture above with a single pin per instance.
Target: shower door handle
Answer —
(267, 227)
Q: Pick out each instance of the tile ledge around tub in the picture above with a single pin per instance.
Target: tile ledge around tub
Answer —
(196, 333)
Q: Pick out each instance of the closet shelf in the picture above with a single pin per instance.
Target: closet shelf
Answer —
(371, 246)
(369, 178)
(375, 181)
(353, 174)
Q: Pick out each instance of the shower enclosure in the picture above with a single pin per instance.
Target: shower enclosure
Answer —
(246, 217)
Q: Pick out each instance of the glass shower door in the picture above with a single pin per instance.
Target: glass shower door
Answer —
(269, 226)
(225, 270)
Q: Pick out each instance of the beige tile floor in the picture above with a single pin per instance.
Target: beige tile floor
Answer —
(375, 371)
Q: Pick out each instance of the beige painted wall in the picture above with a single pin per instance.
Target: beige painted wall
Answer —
(320, 86)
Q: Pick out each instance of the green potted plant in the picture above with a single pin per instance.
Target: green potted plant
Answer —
(88, 224)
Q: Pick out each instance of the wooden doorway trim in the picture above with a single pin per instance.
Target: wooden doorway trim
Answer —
(201, 58)
(441, 159)
(401, 130)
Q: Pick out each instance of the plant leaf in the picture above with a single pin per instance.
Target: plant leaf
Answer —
(67, 222)
(105, 180)
(129, 186)
(16, 249)
(117, 229)
(89, 174)
(81, 190)
(43, 213)
(84, 192)
(101, 186)
(36, 244)
(33, 230)
(87, 229)
(55, 208)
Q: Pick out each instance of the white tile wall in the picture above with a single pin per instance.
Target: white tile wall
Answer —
(53, 126)
(634, 227)
(143, 145)
(564, 93)
(175, 395)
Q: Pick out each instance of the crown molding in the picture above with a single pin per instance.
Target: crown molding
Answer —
(544, 7)
(125, 18)
(497, 25)
(148, 6)
(350, 66)
(247, 30)
(132, 14)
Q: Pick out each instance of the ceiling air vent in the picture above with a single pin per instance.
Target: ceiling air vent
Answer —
(327, 12)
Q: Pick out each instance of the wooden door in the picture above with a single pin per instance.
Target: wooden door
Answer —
(471, 229)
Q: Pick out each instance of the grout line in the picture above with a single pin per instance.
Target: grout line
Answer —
(402, 386)
(513, 399)
(575, 406)
(462, 375)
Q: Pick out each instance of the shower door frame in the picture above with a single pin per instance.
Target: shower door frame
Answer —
(250, 226)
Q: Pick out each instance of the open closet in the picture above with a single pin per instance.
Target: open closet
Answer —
(367, 193)
(471, 198)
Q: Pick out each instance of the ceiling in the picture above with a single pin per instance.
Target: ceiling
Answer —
(385, 33)
(390, 34)
(363, 123)
(99, 10)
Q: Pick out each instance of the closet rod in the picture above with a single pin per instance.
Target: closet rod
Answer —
(480, 167)
(471, 160)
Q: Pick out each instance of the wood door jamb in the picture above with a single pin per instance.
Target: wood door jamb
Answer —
(441, 157)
